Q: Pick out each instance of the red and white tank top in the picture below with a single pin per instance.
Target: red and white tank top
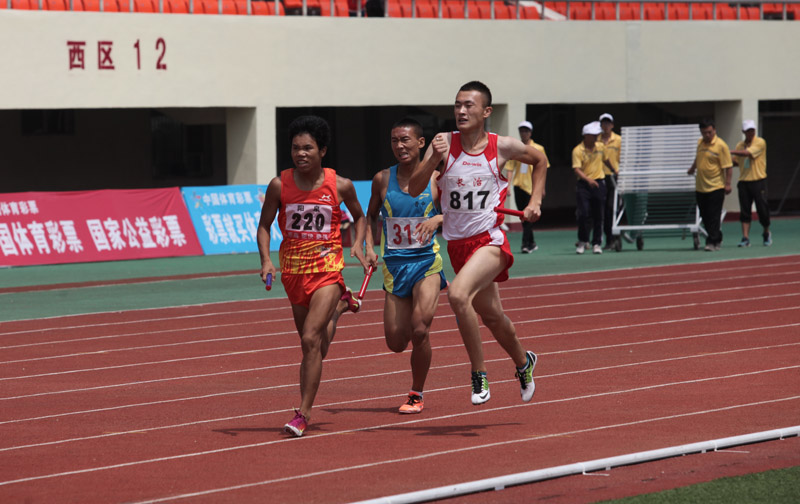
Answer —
(310, 223)
(470, 187)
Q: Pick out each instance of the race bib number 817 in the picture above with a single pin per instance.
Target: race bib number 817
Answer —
(468, 194)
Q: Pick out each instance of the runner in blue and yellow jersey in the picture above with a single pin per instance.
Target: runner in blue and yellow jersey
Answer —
(412, 266)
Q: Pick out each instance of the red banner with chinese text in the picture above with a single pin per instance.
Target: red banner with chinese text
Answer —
(86, 226)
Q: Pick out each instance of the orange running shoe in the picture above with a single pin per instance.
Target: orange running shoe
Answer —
(413, 405)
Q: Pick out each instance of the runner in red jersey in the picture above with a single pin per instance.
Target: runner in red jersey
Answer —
(471, 186)
(311, 260)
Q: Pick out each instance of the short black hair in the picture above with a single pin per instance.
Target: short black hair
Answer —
(315, 126)
(408, 122)
(705, 123)
(480, 87)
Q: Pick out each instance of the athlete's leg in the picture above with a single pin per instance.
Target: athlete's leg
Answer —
(476, 275)
(426, 300)
(330, 330)
(488, 305)
(312, 323)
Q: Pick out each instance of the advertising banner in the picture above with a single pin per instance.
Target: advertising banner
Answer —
(226, 217)
(85, 226)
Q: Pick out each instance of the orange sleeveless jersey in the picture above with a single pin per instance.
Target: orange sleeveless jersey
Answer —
(310, 223)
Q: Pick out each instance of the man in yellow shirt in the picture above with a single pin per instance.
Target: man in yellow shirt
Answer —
(612, 144)
(588, 159)
(520, 178)
(713, 165)
(751, 157)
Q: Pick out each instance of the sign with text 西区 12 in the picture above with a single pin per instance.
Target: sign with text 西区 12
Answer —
(88, 226)
(226, 217)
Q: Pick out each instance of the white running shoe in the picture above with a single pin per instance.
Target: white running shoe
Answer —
(526, 385)
(480, 388)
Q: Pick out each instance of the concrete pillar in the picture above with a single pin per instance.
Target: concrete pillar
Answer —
(728, 116)
(267, 155)
(240, 131)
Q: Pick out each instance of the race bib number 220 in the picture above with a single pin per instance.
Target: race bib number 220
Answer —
(308, 222)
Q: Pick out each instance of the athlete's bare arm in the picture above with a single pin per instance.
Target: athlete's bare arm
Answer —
(380, 183)
(511, 148)
(347, 195)
(435, 153)
(272, 201)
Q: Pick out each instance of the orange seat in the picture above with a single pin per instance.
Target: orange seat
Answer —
(580, 12)
(654, 12)
(55, 5)
(750, 13)
(339, 8)
(701, 11)
(678, 11)
(145, 6)
(265, 8)
(85, 5)
(453, 9)
(793, 11)
(560, 7)
(25, 4)
(176, 6)
(605, 11)
(629, 12)
(426, 9)
(725, 11)
(503, 11)
(394, 9)
(206, 7)
(116, 6)
(528, 12)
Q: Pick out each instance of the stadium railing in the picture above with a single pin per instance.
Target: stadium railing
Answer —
(645, 10)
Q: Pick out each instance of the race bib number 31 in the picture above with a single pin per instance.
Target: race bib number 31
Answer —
(308, 222)
(403, 232)
(468, 194)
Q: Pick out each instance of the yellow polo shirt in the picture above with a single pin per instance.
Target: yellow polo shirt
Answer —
(613, 147)
(712, 159)
(590, 162)
(756, 168)
(520, 174)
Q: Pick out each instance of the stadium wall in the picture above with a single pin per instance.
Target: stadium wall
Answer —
(251, 66)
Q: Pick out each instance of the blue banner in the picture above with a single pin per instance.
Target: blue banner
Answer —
(226, 218)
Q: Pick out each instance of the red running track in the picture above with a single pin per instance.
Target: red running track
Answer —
(187, 404)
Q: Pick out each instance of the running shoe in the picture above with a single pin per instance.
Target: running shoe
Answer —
(597, 249)
(768, 238)
(353, 303)
(581, 248)
(413, 405)
(526, 385)
(745, 242)
(480, 388)
(298, 424)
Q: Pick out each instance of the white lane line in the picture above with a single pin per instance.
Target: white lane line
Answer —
(228, 354)
(259, 350)
(273, 321)
(423, 420)
(373, 399)
(581, 281)
(459, 450)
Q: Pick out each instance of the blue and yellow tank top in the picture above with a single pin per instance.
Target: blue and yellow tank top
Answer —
(402, 214)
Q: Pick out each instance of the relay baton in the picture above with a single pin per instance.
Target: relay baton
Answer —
(509, 211)
(364, 284)
(269, 281)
